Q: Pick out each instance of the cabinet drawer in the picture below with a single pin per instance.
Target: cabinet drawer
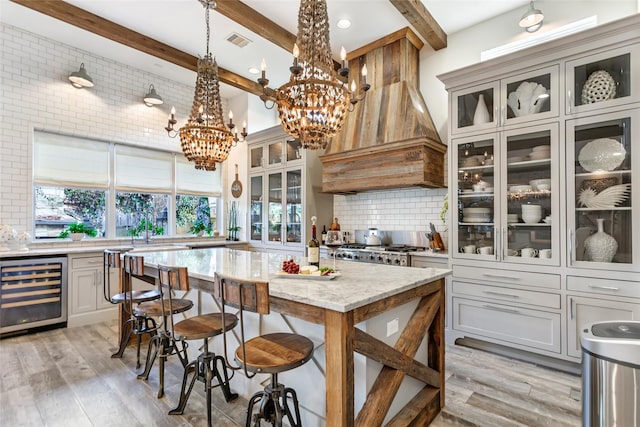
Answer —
(509, 295)
(510, 277)
(620, 288)
(87, 262)
(529, 328)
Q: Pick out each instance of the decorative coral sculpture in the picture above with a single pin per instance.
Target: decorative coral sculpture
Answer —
(527, 99)
(606, 199)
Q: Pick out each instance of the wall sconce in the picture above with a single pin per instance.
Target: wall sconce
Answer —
(80, 78)
(532, 19)
(152, 98)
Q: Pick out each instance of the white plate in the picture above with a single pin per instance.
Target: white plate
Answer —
(602, 154)
(475, 220)
(308, 276)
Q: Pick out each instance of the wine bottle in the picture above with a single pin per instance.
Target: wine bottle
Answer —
(313, 250)
(323, 236)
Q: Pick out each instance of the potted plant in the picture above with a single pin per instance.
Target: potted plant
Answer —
(199, 227)
(77, 231)
(145, 225)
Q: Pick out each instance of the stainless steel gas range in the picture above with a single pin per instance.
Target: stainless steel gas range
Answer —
(387, 254)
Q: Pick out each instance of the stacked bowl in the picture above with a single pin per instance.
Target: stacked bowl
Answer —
(531, 214)
(540, 152)
(476, 214)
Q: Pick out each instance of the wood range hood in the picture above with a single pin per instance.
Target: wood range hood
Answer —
(389, 140)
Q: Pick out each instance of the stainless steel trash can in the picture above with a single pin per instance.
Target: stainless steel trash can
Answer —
(611, 374)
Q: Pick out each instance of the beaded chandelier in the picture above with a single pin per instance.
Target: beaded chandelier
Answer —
(313, 104)
(205, 139)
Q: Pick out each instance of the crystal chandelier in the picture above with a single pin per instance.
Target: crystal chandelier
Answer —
(205, 139)
(313, 104)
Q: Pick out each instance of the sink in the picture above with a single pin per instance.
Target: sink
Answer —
(159, 247)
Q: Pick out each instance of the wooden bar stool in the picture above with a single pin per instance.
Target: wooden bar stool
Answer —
(164, 344)
(268, 354)
(207, 365)
(127, 298)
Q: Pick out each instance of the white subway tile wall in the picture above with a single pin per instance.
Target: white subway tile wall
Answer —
(390, 210)
(35, 94)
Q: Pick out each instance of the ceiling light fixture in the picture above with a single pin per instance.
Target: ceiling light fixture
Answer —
(344, 23)
(532, 19)
(152, 98)
(205, 139)
(313, 104)
(80, 79)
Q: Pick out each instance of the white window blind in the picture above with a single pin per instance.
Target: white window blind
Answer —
(192, 181)
(70, 161)
(140, 170)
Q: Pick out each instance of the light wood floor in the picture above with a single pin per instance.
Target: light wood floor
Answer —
(65, 377)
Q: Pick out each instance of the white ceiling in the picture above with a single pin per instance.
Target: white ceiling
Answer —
(181, 24)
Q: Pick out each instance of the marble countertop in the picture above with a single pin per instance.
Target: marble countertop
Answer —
(98, 245)
(358, 284)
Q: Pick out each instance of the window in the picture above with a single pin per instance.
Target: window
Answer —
(197, 199)
(146, 191)
(71, 178)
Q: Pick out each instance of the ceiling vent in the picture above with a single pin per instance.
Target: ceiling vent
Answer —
(238, 40)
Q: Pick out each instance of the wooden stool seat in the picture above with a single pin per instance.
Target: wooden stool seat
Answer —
(204, 326)
(274, 353)
(154, 308)
(265, 354)
(136, 297)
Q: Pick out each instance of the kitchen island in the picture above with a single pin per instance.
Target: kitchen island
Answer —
(347, 309)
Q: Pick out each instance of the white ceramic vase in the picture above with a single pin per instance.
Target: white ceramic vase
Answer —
(600, 247)
(482, 113)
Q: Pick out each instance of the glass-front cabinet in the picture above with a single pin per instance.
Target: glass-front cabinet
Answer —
(284, 181)
(530, 195)
(608, 78)
(257, 213)
(507, 196)
(278, 220)
(273, 154)
(475, 234)
(601, 158)
(514, 100)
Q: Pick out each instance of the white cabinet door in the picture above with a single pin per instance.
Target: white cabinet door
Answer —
(583, 311)
(83, 291)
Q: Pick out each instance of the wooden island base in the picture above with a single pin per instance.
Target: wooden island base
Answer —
(360, 294)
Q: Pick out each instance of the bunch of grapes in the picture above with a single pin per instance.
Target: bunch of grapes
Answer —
(289, 266)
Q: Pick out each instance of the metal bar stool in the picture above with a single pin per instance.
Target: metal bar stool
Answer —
(164, 344)
(207, 365)
(134, 324)
(268, 354)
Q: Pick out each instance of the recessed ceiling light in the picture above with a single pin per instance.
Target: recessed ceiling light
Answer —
(253, 70)
(344, 23)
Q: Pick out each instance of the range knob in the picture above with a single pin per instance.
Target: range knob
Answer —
(372, 257)
(348, 256)
(397, 261)
(388, 261)
(379, 257)
(356, 257)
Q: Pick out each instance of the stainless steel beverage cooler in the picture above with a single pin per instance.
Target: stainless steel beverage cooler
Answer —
(33, 293)
(611, 374)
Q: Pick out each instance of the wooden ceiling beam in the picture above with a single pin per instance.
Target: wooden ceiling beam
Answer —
(419, 17)
(259, 24)
(88, 21)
